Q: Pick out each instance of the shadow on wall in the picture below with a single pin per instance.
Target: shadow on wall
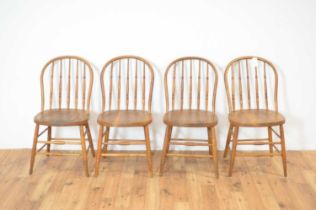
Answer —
(157, 127)
(96, 103)
(291, 121)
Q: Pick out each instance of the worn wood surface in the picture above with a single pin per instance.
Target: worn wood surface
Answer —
(126, 118)
(256, 118)
(190, 118)
(62, 117)
(189, 183)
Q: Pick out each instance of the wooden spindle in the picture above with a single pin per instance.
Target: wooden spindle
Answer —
(265, 86)
(111, 83)
(248, 85)
(207, 86)
(199, 86)
(84, 87)
(240, 86)
(182, 85)
(68, 93)
(60, 83)
(136, 82)
(257, 86)
(174, 86)
(119, 88)
(190, 99)
(144, 85)
(233, 86)
(127, 85)
(77, 84)
(51, 86)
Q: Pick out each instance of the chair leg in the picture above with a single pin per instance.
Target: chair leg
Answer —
(229, 135)
(210, 146)
(283, 150)
(106, 140)
(169, 136)
(270, 141)
(212, 134)
(148, 151)
(84, 151)
(165, 148)
(233, 152)
(99, 149)
(34, 148)
(49, 138)
(90, 140)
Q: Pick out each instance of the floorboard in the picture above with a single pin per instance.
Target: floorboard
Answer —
(60, 183)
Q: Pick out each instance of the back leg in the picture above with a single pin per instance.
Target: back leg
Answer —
(148, 151)
(106, 140)
(49, 138)
(270, 141)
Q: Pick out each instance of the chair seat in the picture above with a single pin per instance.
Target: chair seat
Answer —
(62, 117)
(125, 118)
(256, 118)
(190, 118)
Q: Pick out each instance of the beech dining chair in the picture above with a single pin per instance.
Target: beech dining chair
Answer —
(252, 90)
(127, 86)
(66, 86)
(190, 93)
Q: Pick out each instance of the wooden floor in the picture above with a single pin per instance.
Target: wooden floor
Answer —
(60, 183)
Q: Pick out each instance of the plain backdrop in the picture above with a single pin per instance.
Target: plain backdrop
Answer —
(34, 31)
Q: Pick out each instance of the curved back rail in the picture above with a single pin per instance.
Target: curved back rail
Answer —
(69, 80)
(127, 84)
(251, 83)
(192, 82)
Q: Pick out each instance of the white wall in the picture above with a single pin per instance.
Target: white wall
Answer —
(32, 32)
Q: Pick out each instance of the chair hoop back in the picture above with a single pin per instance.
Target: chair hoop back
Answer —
(69, 80)
(193, 84)
(251, 82)
(127, 84)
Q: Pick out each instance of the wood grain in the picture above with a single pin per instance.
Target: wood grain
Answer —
(190, 118)
(125, 118)
(62, 117)
(187, 184)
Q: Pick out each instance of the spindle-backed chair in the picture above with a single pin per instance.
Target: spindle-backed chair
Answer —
(127, 86)
(66, 82)
(193, 82)
(252, 90)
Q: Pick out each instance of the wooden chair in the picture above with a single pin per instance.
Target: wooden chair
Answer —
(193, 82)
(66, 85)
(252, 90)
(127, 86)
